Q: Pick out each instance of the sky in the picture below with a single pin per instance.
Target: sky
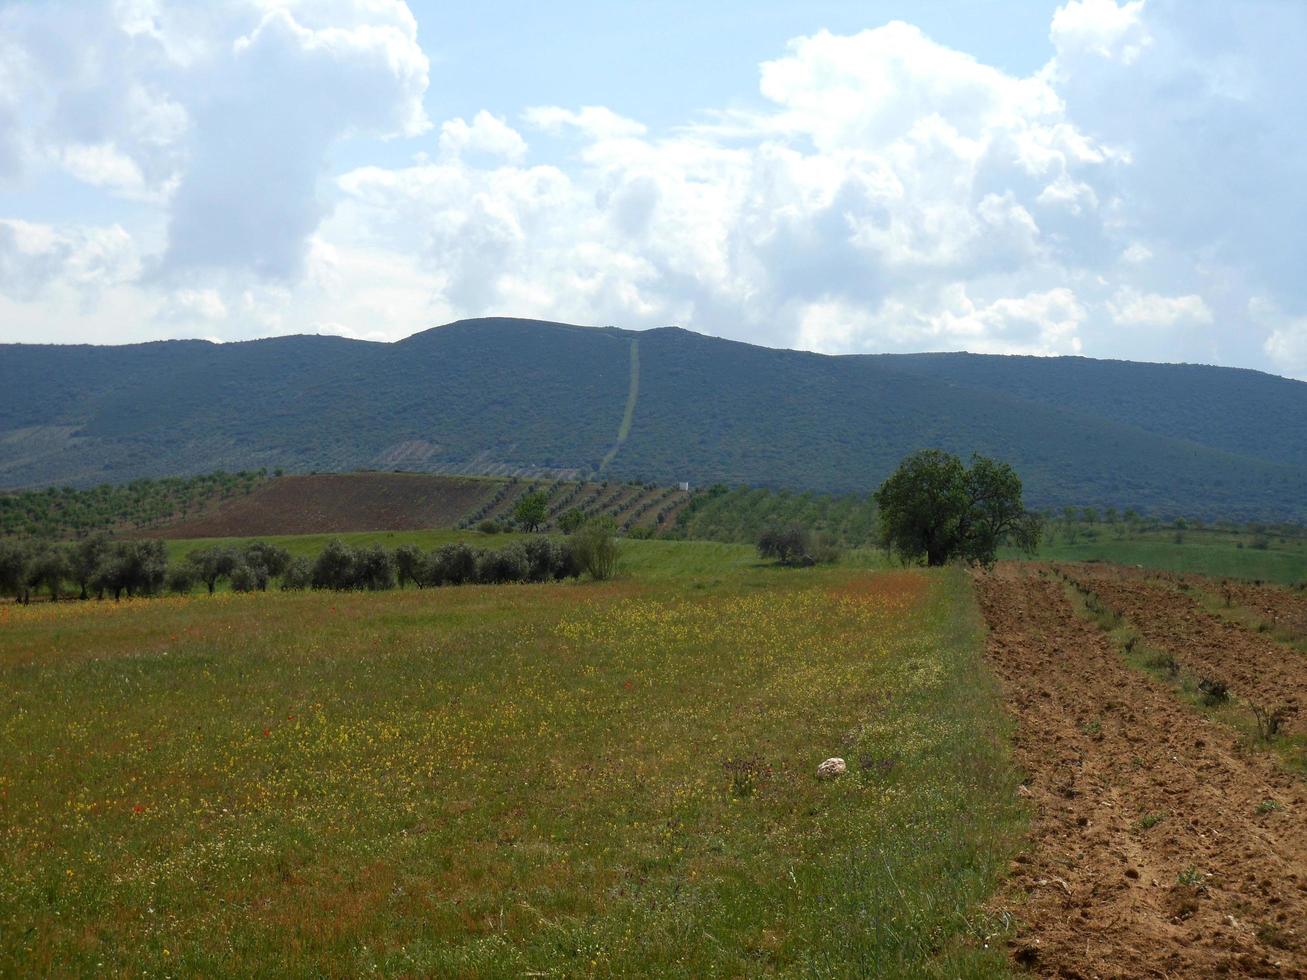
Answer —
(1112, 179)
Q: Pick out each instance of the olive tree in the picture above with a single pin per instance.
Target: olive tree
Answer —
(933, 508)
(532, 510)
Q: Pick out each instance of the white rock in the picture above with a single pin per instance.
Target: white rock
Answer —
(831, 768)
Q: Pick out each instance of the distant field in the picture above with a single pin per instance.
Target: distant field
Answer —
(1203, 552)
(582, 779)
(330, 503)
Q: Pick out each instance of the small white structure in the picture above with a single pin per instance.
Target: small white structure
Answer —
(684, 485)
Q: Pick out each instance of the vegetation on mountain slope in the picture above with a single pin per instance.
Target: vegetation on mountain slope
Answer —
(69, 511)
(547, 401)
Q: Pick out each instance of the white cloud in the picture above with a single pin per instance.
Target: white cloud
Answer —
(887, 192)
(1137, 253)
(1101, 28)
(1286, 346)
(596, 122)
(34, 257)
(887, 162)
(485, 134)
(248, 200)
(1131, 308)
(103, 166)
(1037, 323)
(187, 305)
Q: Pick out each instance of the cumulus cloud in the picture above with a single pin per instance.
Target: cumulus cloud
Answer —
(1037, 323)
(288, 91)
(886, 163)
(1101, 28)
(34, 257)
(885, 192)
(1131, 308)
(222, 114)
(187, 305)
(485, 134)
(1287, 347)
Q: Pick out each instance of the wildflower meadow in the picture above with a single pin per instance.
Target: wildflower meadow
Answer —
(583, 779)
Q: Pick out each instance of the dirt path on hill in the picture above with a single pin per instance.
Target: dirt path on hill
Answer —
(1216, 887)
(1256, 667)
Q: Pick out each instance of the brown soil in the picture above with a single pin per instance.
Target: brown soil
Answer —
(1284, 609)
(331, 502)
(1255, 666)
(1216, 887)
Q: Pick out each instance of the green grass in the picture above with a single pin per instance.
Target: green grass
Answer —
(1215, 553)
(584, 779)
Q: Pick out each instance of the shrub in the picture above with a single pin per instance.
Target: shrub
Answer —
(245, 579)
(410, 565)
(298, 575)
(180, 579)
(789, 546)
(547, 560)
(640, 533)
(505, 565)
(1164, 662)
(796, 546)
(374, 569)
(267, 561)
(1214, 691)
(489, 527)
(594, 548)
(570, 520)
(1270, 721)
(825, 549)
(334, 567)
(452, 564)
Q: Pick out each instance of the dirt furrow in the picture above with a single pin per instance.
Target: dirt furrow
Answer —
(1159, 847)
(1255, 667)
(1282, 608)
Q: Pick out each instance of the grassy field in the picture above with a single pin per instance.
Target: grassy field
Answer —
(1203, 552)
(583, 779)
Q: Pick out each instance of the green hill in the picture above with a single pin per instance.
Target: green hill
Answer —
(544, 400)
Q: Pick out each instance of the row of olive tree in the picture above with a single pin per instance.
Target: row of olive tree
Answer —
(99, 566)
(93, 566)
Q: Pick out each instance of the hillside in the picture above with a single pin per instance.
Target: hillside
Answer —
(328, 503)
(65, 512)
(551, 401)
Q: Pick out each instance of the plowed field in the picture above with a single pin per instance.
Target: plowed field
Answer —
(1161, 846)
(329, 502)
(1255, 667)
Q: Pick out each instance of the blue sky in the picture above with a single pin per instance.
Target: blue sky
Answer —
(1114, 179)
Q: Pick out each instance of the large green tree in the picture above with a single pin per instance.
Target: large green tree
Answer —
(936, 509)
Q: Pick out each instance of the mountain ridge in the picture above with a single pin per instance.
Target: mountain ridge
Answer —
(506, 394)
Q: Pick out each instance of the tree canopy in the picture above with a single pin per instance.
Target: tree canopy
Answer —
(532, 510)
(935, 508)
